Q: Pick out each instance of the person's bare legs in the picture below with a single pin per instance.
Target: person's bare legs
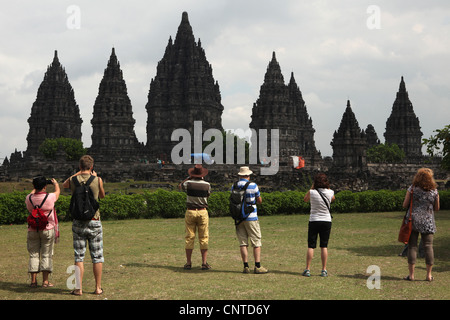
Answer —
(188, 256)
(411, 268)
(429, 276)
(98, 270)
(324, 256)
(33, 279)
(45, 282)
(309, 257)
(204, 253)
(257, 254)
(80, 266)
(244, 253)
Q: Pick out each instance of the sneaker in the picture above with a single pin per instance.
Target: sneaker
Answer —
(306, 273)
(246, 270)
(260, 270)
(324, 273)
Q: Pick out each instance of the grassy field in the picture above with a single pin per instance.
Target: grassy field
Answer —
(144, 261)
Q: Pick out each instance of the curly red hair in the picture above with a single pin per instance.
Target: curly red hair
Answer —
(424, 179)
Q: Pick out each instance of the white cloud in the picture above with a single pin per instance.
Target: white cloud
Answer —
(327, 44)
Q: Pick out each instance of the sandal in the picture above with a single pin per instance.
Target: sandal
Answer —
(430, 279)
(33, 285)
(206, 266)
(47, 285)
(408, 278)
(187, 266)
(98, 293)
(76, 292)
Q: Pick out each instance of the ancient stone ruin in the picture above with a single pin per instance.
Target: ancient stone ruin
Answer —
(183, 91)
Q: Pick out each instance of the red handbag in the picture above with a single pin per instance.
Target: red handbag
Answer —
(406, 227)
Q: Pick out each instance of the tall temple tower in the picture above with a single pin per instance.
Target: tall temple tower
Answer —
(113, 136)
(55, 112)
(282, 107)
(349, 143)
(182, 92)
(371, 136)
(403, 127)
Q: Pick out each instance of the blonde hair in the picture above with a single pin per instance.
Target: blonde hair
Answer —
(424, 179)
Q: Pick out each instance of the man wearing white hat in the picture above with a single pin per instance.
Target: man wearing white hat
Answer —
(249, 229)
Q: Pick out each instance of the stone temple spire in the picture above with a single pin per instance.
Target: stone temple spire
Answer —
(54, 113)
(305, 127)
(113, 136)
(402, 126)
(282, 107)
(349, 142)
(183, 91)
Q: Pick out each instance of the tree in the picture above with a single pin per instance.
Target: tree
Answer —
(72, 147)
(385, 153)
(434, 143)
(228, 135)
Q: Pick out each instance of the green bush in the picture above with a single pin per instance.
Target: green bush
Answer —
(119, 207)
(444, 197)
(13, 208)
(218, 204)
(172, 204)
(346, 201)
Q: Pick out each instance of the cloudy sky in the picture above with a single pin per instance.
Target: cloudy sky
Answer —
(343, 50)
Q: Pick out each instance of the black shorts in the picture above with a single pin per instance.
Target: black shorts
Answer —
(321, 228)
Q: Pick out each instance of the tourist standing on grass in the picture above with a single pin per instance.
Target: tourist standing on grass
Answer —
(425, 202)
(249, 229)
(40, 242)
(196, 215)
(320, 197)
(88, 232)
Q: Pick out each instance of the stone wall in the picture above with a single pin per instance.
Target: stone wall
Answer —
(222, 176)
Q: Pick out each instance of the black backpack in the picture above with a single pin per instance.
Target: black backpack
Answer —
(237, 200)
(83, 205)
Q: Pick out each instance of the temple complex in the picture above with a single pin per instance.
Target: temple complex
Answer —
(184, 91)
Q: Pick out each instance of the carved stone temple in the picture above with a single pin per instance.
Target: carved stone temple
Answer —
(55, 112)
(403, 126)
(282, 107)
(183, 91)
(113, 135)
(349, 143)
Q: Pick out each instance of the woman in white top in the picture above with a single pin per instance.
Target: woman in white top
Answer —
(320, 197)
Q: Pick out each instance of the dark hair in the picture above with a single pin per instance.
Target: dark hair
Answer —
(39, 182)
(321, 181)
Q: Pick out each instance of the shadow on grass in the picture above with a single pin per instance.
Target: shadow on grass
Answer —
(199, 270)
(25, 288)
(362, 276)
(440, 246)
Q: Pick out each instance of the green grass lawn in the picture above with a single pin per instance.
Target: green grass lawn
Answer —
(144, 260)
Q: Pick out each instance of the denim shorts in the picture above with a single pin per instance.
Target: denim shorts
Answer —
(92, 233)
